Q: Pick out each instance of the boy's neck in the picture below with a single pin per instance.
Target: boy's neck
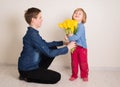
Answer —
(34, 27)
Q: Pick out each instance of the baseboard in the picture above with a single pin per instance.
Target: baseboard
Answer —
(105, 68)
(68, 67)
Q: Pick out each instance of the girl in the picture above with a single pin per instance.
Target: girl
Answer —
(79, 55)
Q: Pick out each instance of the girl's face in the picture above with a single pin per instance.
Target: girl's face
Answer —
(37, 21)
(78, 15)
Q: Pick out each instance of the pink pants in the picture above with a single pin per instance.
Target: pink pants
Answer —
(79, 58)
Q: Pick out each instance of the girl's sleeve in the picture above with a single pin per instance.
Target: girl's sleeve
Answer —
(79, 33)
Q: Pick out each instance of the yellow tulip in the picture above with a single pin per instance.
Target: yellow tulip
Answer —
(70, 25)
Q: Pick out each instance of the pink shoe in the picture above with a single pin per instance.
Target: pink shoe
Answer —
(72, 78)
(85, 79)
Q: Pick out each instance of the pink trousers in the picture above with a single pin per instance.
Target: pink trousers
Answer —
(79, 59)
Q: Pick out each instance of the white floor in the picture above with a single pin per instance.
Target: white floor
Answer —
(97, 78)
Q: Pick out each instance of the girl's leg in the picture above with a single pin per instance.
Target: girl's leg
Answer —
(83, 62)
(41, 76)
(74, 65)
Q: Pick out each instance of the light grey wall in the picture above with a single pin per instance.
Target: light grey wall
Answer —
(102, 28)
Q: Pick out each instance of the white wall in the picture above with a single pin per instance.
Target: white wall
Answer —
(102, 28)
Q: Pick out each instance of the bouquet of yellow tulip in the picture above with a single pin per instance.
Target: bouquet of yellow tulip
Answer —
(70, 26)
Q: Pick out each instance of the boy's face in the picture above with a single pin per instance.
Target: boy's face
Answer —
(37, 21)
(78, 15)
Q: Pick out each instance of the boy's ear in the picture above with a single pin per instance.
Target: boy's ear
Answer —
(32, 19)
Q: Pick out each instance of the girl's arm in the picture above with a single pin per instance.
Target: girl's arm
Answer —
(78, 34)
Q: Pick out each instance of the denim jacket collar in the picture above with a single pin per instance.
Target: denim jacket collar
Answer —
(32, 29)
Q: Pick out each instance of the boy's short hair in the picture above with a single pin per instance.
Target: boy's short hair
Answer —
(31, 13)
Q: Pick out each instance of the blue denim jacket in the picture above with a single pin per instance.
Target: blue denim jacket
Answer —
(33, 46)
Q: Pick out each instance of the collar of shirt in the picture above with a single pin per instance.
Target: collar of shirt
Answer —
(32, 29)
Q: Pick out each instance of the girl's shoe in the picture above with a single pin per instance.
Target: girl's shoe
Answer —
(72, 78)
(85, 79)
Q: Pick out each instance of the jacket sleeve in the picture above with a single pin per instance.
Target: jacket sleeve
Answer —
(54, 43)
(43, 46)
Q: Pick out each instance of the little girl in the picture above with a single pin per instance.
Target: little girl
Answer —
(79, 55)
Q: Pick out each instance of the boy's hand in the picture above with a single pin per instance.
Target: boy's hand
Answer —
(71, 45)
(66, 42)
(66, 38)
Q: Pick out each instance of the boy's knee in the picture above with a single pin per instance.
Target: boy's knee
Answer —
(57, 78)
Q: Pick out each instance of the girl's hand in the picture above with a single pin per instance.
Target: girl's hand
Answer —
(70, 34)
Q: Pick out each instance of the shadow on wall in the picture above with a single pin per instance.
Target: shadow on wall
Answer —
(14, 41)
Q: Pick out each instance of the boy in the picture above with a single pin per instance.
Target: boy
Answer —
(37, 54)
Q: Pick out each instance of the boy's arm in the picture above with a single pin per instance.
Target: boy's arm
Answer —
(55, 43)
(43, 47)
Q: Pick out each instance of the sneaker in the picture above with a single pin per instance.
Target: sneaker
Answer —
(72, 78)
(85, 79)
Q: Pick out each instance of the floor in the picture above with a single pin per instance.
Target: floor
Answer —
(97, 78)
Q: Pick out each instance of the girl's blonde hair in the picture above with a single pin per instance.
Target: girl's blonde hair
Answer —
(84, 14)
